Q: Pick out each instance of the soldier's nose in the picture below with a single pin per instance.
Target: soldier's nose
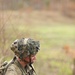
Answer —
(33, 57)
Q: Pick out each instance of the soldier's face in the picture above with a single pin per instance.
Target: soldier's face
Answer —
(31, 58)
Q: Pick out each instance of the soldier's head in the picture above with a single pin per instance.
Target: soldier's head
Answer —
(25, 47)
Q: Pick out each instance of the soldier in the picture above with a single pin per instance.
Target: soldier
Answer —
(25, 50)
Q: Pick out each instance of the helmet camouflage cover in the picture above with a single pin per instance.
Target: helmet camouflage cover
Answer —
(24, 47)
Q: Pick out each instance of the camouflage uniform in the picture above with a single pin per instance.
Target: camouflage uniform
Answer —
(17, 69)
(23, 48)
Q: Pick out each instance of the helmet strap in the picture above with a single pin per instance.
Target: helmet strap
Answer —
(30, 59)
(30, 64)
(32, 68)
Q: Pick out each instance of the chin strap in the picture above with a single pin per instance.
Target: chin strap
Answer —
(32, 68)
(30, 64)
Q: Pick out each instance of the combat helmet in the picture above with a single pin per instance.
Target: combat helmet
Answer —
(24, 47)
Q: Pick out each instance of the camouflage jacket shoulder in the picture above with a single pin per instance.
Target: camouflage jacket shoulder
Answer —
(17, 69)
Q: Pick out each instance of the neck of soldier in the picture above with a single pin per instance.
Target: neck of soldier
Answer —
(23, 63)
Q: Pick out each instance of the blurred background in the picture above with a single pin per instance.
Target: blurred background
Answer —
(52, 22)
